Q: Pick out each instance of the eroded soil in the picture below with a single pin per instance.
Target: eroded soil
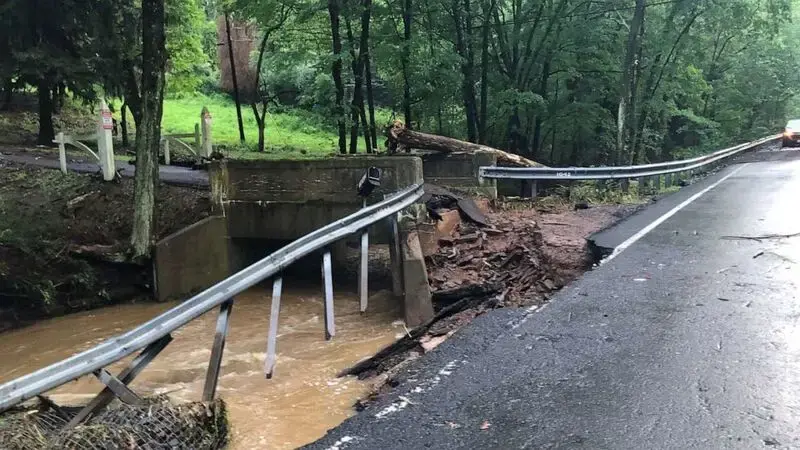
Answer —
(56, 232)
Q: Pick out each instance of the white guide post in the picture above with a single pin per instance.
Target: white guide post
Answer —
(62, 151)
(105, 142)
(205, 127)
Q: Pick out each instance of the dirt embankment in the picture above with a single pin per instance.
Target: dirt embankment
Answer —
(50, 225)
(525, 254)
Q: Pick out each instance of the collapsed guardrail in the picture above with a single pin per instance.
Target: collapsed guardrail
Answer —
(154, 335)
(617, 172)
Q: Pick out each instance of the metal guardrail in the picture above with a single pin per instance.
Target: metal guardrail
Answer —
(155, 334)
(616, 172)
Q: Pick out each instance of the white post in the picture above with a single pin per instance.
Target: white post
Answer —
(198, 142)
(166, 151)
(205, 126)
(105, 142)
(62, 152)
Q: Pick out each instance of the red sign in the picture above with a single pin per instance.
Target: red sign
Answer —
(108, 122)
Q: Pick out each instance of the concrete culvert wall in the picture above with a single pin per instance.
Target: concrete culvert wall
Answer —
(158, 424)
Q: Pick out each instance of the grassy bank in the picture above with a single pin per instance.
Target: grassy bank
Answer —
(294, 134)
(291, 133)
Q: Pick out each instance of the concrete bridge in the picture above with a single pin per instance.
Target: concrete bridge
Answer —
(258, 206)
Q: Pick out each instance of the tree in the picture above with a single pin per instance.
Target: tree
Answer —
(334, 11)
(148, 131)
(271, 16)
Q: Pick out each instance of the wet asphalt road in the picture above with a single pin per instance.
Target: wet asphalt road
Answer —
(178, 176)
(684, 340)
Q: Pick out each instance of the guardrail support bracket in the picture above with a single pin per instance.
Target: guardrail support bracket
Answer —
(136, 366)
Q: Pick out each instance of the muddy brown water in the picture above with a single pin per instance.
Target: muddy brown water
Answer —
(302, 401)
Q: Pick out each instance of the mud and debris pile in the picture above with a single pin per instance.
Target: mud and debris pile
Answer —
(157, 424)
(508, 253)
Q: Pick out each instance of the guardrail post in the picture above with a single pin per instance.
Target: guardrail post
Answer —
(215, 364)
(532, 189)
(394, 257)
(105, 142)
(625, 185)
(363, 284)
(327, 277)
(642, 186)
(667, 181)
(272, 337)
(207, 140)
(62, 152)
(166, 152)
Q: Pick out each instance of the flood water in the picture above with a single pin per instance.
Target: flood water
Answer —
(297, 406)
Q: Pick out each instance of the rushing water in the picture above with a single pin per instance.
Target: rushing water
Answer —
(297, 406)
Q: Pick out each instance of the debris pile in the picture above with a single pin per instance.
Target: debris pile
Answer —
(508, 253)
(156, 424)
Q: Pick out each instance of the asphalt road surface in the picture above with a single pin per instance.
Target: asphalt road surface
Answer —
(685, 339)
(179, 176)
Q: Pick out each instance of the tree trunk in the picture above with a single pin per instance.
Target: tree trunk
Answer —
(124, 116)
(628, 74)
(484, 114)
(463, 46)
(46, 131)
(261, 123)
(56, 100)
(408, 15)
(234, 78)
(261, 118)
(262, 136)
(536, 145)
(366, 54)
(334, 10)
(373, 129)
(148, 131)
(357, 104)
(403, 138)
(8, 94)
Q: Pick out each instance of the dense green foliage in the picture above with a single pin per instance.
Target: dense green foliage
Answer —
(561, 81)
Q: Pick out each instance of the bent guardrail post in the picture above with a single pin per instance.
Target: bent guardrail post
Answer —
(215, 363)
(120, 389)
(106, 396)
(272, 336)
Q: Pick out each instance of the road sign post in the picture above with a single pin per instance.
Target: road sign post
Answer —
(105, 142)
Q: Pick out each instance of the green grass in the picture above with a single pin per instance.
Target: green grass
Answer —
(294, 134)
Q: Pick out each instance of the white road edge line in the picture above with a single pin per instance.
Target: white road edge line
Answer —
(631, 240)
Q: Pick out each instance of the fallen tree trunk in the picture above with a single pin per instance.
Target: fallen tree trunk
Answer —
(397, 352)
(401, 138)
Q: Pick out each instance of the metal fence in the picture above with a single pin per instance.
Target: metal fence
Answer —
(155, 335)
(618, 172)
